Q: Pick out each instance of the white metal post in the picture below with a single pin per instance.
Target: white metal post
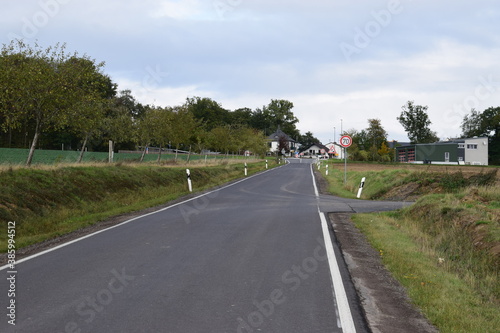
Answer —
(110, 157)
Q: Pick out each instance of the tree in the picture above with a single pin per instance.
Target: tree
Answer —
(128, 101)
(279, 115)
(307, 140)
(375, 134)
(183, 126)
(161, 125)
(359, 138)
(255, 141)
(211, 113)
(220, 138)
(145, 128)
(88, 113)
(88, 116)
(416, 123)
(486, 123)
(43, 85)
(385, 153)
(240, 116)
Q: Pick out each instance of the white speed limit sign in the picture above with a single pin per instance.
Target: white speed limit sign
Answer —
(345, 141)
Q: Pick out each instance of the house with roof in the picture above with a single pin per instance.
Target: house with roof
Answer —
(316, 149)
(335, 150)
(469, 151)
(274, 139)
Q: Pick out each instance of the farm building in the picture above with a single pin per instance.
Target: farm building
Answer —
(472, 151)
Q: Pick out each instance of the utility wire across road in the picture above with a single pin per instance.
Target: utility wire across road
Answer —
(254, 256)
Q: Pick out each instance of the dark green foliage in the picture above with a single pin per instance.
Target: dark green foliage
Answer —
(415, 121)
(486, 123)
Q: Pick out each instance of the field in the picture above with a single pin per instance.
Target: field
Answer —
(13, 156)
(356, 166)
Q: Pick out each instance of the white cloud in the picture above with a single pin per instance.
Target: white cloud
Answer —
(248, 52)
(179, 10)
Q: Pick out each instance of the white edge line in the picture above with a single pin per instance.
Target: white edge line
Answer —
(130, 220)
(338, 286)
(339, 293)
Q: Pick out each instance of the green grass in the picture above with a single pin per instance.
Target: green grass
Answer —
(52, 201)
(454, 295)
(376, 184)
(442, 248)
(14, 156)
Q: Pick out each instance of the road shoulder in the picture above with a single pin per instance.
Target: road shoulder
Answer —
(385, 303)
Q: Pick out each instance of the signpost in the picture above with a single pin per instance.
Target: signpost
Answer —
(345, 141)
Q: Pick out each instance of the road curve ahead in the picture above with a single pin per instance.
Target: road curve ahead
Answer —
(250, 257)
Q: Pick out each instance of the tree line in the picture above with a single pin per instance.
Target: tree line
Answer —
(371, 144)
(51, 97)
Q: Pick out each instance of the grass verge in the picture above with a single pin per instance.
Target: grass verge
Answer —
(51, 201)
(444, 249)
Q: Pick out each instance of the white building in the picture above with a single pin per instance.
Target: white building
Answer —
(273, 141)
(475, 151)
(469, 151)
(335, 150)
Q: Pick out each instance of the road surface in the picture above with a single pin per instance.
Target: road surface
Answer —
(255, 256)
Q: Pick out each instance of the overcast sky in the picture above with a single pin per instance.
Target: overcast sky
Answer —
(334, 59)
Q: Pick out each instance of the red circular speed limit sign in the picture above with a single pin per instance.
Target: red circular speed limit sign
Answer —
(345, 141)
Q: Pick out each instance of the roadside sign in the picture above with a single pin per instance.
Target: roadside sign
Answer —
(332, 150)
(345, 141)
(322, 152)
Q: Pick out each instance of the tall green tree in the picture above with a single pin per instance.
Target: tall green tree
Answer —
(211, 113)
(376, 137)
(486, 123)
(145, 127)
(160, 125)
(43, 85)
(307, 140)
(375, 134)
(184, 126)
(415, 121)
(278, 114)
(221, 139)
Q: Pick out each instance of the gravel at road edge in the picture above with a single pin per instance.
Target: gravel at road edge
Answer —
(385, 302)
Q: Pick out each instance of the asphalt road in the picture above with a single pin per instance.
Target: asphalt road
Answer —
(255, 256)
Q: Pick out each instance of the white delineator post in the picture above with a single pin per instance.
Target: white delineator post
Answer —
(110, 155)
(361, 187)
(246, 170)
(326, 170)
(190, 186)
(266, 164)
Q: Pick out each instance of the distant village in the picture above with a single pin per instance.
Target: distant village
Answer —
(469, 151)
